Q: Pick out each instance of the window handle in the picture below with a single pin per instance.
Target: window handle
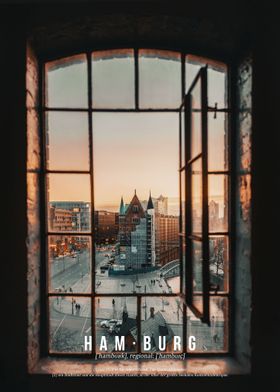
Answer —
(215, 109)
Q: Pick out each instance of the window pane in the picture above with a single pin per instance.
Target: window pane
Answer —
(217, 142)
(70, 321)
(219, 256)
(66, 83)
(162, 317)
(68, 202)
(67, 141)
(196, 134)
(192, 70)
(218, 202)
(136, 232)
(213, 338)
(116, 318)
(113, 79)
(159, 79)
(69, 264)
(217, 86)
(196, 179)
(216, 75)
(197, 266)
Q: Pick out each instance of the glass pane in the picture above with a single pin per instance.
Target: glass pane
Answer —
(67, 141)
(159, 79)
(196, 95)
(217, 142)
(162, 324)
(68, 202)
(196, 133)
(196, 179)
(183, 200)
(197, 261)
(216, 75)
(183, 139)
(66, 83)
(219, 256)
(136, 201)
(70, 322)
(213, 338)
(218, 202)
(192, 70)
(115, 324)
(113, 79)
(217, 86)
(69, 264)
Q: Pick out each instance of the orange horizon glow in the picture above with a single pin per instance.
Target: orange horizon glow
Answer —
(130, 150)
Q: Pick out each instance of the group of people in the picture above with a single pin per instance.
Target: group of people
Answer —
(64, 290)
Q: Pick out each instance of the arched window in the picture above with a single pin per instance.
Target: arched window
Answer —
(113, 121)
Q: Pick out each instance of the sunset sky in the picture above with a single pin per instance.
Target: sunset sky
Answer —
(131, 150)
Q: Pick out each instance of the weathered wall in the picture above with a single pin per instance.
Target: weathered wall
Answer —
(13, 195)
(33, 205)
(242, 261)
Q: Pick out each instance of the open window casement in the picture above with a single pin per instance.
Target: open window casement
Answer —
(194, 196)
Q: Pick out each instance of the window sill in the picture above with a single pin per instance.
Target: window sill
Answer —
(202, 366)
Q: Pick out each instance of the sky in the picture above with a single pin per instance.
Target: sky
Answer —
(130, 150)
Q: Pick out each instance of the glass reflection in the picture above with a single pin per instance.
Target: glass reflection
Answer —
(213, 338)
(196, 196)
(218, 202)
(218, 260)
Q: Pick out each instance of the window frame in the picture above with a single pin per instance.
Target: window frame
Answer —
(45, 233)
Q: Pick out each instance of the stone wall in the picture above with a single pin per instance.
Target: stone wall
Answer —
(33, 205)
(242, 260)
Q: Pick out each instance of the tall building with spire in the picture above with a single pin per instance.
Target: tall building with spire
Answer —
(151, 238)
(137, 234)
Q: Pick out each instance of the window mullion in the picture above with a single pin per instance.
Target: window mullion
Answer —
(89, 70)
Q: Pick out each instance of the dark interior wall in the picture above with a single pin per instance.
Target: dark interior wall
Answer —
(227, 35)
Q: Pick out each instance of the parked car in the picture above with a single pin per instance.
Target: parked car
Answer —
(110, 323)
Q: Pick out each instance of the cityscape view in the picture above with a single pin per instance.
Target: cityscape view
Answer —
(127, 226)
(136, 251)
